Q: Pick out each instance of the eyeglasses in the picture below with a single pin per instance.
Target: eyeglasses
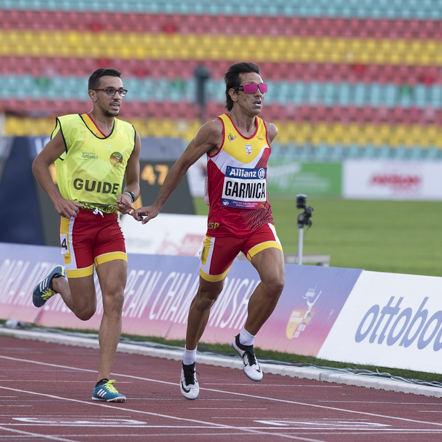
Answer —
(252, 88)
(110, 91)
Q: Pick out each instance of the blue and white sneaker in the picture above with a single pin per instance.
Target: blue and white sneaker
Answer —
(43, 290)
(251, 369)
(106, 392)
(189, 383)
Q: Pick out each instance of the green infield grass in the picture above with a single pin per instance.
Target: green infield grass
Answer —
(382, 236)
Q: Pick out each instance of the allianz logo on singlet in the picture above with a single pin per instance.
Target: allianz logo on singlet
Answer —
(96, 186)
(239, 172)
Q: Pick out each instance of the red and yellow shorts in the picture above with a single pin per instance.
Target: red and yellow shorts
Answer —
(218, 253)
(90, 238)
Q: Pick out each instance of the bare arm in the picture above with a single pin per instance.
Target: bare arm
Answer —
(124, 201)
(40, 169)
(272, 131)
(207, 140)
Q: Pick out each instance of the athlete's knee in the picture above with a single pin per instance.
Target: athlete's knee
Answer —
(85, 313)
(274, 285)
(205, 298)
(84, 305)
(204, 302)
(113, 303)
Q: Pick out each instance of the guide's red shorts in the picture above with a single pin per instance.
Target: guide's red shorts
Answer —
(218, 253)
(90, 238)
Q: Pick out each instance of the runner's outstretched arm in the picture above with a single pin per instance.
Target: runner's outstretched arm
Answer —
(207, 140)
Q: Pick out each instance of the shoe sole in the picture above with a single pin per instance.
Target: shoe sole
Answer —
(118, 399)
(190, 398)
(254, 380)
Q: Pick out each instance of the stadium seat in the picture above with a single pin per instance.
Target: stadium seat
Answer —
(390, 76)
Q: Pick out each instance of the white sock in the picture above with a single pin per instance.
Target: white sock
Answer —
(245, 338)
(189, 356)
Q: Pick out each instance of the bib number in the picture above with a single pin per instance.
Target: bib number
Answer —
(64, 244)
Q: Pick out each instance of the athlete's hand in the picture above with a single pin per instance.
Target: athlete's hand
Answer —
(145, 214)
(67, 208)
(124, 203)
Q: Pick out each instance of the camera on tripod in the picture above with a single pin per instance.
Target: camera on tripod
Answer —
(304, 218)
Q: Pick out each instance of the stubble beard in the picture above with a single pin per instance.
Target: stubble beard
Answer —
(109, 113)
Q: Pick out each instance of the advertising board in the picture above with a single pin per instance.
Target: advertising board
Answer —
(392, 180)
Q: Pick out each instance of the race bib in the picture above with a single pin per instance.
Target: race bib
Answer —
(244, 188)
(64, 244)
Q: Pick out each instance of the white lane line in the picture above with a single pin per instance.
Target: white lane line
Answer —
(246, 395)
(242, 384)
(224, 408)
(6, 405)
(378, 433)
(383, 402)
(272, 429)
(38, 435)
(212, 424)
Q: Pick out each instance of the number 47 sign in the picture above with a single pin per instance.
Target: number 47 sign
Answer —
(154, 174)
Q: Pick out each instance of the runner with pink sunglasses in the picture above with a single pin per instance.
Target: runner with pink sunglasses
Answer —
(237, 145)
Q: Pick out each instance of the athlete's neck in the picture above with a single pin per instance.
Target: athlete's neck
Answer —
(246, 124)
(103, 122)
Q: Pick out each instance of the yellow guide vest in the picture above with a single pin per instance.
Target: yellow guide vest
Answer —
(92, 169)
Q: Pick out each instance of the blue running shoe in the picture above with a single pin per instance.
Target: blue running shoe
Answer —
(43, 290)
(108, 393)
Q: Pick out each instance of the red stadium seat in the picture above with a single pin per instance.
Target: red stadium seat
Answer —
(381, 115)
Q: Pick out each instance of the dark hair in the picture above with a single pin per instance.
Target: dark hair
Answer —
(94, 79)
(232, 78)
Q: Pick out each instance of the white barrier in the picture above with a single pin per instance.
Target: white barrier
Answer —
(167, 234)
(347, 315)
(390, 320)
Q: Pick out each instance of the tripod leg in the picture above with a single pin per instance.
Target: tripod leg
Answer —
(300, 244)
